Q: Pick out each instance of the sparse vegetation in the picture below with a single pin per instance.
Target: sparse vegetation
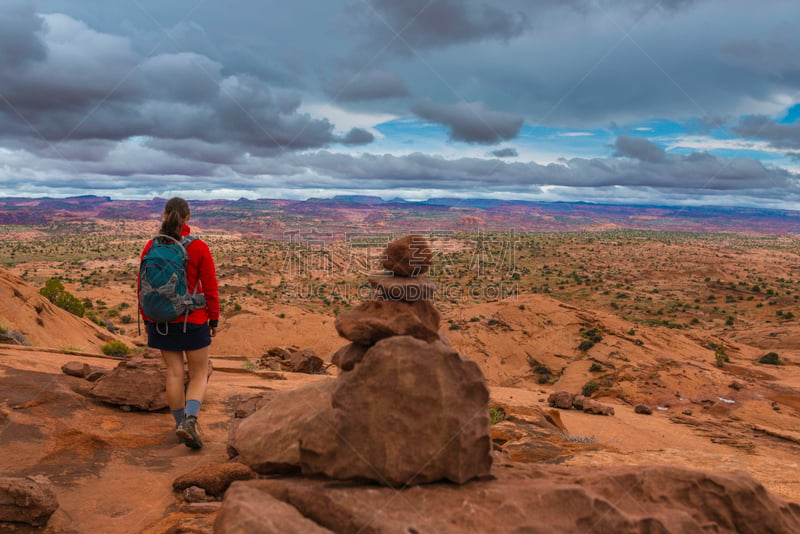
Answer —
(721, 356)
(54, 291)
(496, 415)
(590, 387)
(580, 439)
(771, 358)
(116, 349)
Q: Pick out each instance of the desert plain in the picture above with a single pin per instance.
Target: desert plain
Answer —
(699, 327)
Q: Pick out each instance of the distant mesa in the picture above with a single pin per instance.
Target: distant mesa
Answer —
(471, 221)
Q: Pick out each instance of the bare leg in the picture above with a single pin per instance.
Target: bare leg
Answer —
(174, 361)
(198, 373)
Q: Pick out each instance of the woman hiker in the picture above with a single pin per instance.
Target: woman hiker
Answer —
(193, 277)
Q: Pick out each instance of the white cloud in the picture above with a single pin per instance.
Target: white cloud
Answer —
(345, 119)
(704, 143)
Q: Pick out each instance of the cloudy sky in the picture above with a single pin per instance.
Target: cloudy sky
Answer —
(625, 101)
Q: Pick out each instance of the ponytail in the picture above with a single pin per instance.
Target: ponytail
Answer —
(176, 212)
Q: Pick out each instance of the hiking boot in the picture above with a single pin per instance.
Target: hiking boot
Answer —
(188, 431)
(180, 438)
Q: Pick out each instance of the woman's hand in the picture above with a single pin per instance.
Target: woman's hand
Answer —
(213, 331)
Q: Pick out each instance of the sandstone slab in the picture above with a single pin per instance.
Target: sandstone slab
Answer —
(542, 499)
(408, 289)
(373, 320)
(214, 478)
(348, 356)
(248, 509)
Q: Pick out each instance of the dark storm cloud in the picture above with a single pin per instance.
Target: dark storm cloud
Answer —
(351, 85)
(357, 136)
(762, 127)
(698, 173)
(509, 152)
(413, 25)
(472, 122)
(18, 41)
(638, 148)
(92, 85)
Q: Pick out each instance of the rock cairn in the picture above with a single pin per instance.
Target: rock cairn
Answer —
(401, 305)
(406, 408)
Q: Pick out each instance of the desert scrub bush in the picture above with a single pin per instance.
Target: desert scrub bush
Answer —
(721, 357)
(590, 387)
(116, 349)
(580, 439)
(496, 415)
(54, 291)
(771, 358)
(13, 337)
(592, 336)
(595, 368)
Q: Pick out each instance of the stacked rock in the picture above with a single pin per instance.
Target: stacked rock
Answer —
(401, 305)
(406, 408)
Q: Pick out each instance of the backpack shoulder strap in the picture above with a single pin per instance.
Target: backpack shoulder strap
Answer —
(187, 240)
(183, 244)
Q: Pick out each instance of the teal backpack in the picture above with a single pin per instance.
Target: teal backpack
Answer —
(163, 292)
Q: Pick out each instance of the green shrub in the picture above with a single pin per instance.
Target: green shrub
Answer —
(496, 415)
(595, 368)
(54, 291)
(585, 345)
(543, 379)
(771, 358)
(721, 356)
(590, 387)
(116, 349)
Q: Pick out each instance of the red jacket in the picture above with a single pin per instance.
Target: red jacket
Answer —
(200, 264)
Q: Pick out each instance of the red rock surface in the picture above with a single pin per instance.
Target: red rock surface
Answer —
(531, 498)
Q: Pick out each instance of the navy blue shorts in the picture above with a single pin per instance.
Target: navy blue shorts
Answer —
(170, 336)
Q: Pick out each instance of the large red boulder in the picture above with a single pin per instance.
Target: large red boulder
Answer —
(29, 500)
(269, 440)
(137, 382)
(410, 412)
